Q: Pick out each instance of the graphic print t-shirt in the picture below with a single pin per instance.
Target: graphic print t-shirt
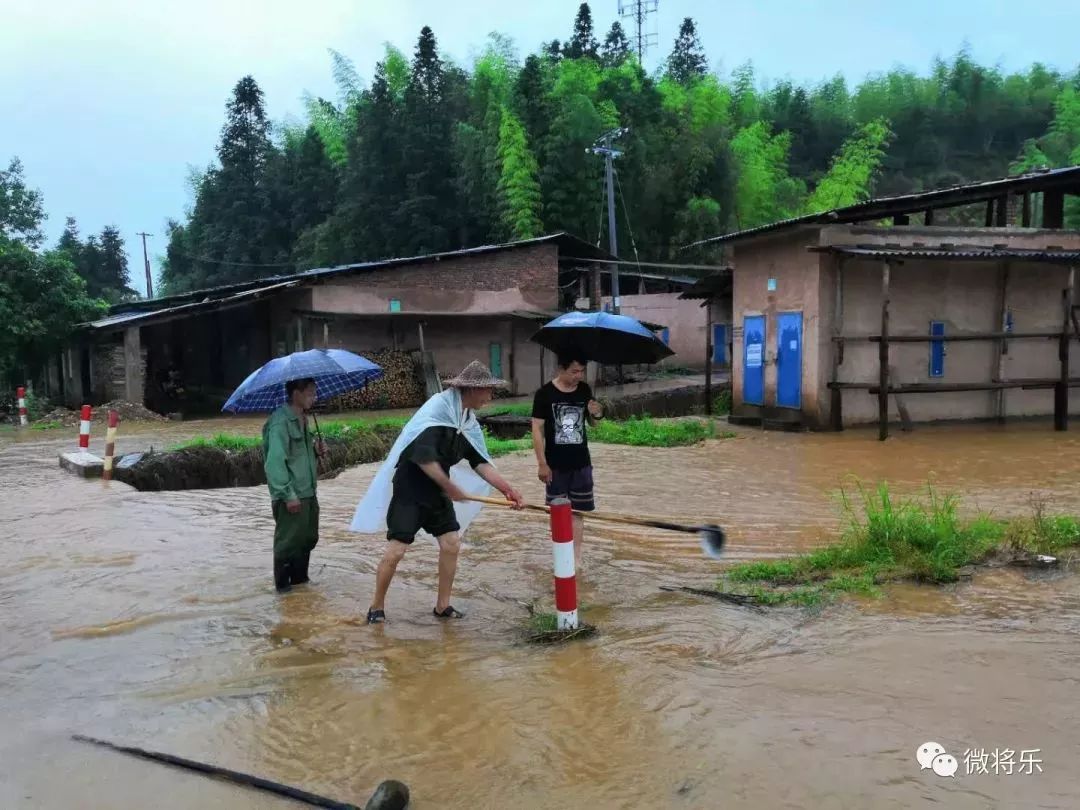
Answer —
(566, 446)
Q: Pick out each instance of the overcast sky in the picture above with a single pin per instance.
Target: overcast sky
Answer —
(108, 102)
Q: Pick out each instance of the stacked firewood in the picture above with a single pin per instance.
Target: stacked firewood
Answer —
(401, 385)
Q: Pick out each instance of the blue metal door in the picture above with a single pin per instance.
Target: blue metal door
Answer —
(937, 349)
(753, 359)
(789, 359)
(719, 344)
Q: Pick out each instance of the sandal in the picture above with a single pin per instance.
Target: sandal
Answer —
(375, 617)
(450, 613)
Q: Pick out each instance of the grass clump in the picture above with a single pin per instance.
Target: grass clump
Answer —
(642, 431)
(222, 441)
(889, 539)
(46, 425)
(511, 409)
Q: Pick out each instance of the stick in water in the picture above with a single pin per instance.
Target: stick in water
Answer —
(390, 795)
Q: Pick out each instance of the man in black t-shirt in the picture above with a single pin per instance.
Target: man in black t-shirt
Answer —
(561, 409)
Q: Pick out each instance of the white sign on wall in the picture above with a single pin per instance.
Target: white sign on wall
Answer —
(753, 355)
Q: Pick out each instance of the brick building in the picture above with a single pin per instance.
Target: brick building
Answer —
(890, 310)
(444, 310)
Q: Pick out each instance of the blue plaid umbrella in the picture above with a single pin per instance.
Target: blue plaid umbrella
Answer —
(335, 371)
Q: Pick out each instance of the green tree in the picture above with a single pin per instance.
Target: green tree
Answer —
(519, 190)
(851, 175)
(687, 61)
(21, 212)
(616, 49)
(583, 43)
(763, 191)
(42, 298)
(426, 215)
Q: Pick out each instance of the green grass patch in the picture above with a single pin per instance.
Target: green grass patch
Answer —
(888, 539)
(722, 404)
(512, 409)
(46, 425)
(642, 431)
(541, 622)
(222, 441)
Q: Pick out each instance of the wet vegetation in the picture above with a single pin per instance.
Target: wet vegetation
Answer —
(889, 539)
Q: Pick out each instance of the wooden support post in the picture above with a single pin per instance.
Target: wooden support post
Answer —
(1002, 344)
(1061, 390)
(836, 403)
(595, 301)
(989, 213)
(928, 217)
(1025, 215)
(420, 329)
(708, 356)
(1053, 209)
(1002, 211)
(883, 357)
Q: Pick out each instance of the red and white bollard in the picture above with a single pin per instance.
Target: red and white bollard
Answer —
(84, 428)
(562, 546)
(20, 393)
(110, 445)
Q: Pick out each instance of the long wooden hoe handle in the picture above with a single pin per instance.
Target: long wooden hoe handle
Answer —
(605, 516)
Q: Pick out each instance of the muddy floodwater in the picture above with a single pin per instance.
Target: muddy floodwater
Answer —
(150, 619)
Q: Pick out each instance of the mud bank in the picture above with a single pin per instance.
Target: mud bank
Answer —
(217, 468)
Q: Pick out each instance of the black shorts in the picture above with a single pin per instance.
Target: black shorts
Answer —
(406, 517)
(577, 485)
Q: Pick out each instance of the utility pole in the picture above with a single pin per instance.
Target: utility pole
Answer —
(146, 264)
(603, 146)
(639, 11)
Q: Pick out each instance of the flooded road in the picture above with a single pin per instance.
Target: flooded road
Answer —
(150, 619)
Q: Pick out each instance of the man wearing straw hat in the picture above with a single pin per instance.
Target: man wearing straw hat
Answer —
(420, 486)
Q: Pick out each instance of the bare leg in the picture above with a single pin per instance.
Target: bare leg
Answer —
(579, 538)
(449, 546)
(395, 550)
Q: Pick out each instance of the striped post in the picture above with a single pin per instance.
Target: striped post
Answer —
(20, 393)
(84, 428)
(110, 445)
(562, 546)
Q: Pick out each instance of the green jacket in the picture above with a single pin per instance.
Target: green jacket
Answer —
(289, 457)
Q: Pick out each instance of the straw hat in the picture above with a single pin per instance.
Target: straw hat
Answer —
(476, 375)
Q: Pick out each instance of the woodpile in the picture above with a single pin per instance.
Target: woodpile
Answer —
(401, 386)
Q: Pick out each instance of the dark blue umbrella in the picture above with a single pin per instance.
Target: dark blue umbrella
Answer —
(602, 337)
(335, 371)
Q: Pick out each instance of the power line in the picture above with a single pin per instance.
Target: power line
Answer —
(639, 11)
(233, 264)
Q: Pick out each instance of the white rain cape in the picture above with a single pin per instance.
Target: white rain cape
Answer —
(442, 410)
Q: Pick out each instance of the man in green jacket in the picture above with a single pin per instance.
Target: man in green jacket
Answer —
(292, 476)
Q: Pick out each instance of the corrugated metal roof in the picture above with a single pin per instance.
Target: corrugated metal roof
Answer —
(709, 287)
(563, 238)
(126, 318)
(881, 207)
(955, 254)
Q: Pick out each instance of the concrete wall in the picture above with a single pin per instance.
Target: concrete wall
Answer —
(967, 297)
(798, 289)
(686, 320)
(519, 279)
